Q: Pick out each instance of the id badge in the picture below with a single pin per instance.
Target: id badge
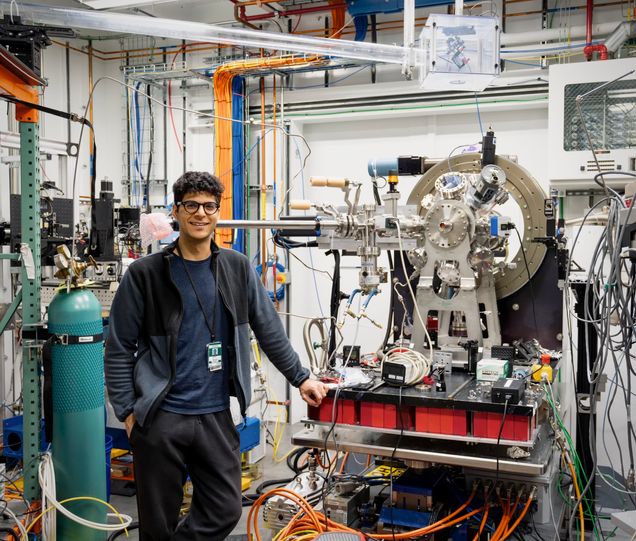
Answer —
(215, 360)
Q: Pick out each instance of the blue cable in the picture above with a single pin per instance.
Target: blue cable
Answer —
(361, 24)
(372, 294)
(238, 158)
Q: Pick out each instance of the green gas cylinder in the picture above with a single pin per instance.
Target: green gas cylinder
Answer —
(77, 358)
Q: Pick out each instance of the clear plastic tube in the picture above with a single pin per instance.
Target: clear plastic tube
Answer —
(193, 31)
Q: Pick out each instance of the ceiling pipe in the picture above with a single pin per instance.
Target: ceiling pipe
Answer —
(195, 31)
(552, 34)
(590, 49)
(589, 14)
(292, 12)
(239, 16)
(409, 38)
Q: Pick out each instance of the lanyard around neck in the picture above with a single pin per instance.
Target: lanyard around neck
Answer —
(210, 325)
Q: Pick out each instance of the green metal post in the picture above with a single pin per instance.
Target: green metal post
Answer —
(30, 225)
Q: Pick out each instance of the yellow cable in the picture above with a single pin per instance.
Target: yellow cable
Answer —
(279, 429)
(303, 533)
(578, 496)
(76, 498)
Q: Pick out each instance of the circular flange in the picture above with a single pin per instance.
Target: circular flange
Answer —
(451, 185)
(523, 188)
(446, 224)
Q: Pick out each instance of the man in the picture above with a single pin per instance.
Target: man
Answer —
(178, 347)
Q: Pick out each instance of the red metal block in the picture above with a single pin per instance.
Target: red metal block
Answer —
(348, 412)
(445, 421)
(522, 427)
(434, 423)
(480, 424)
(372, 414)
(421, 419)
(326, 408)
(460, 422)
(407, 418)
(390, 416)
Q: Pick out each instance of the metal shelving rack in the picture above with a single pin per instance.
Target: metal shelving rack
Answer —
(19, 81)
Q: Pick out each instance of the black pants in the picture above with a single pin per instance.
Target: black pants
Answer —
(209, 446)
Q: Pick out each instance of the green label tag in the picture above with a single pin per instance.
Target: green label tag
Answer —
(215, 359)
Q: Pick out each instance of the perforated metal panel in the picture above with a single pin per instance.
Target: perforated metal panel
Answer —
(610, 116)
(339, 536)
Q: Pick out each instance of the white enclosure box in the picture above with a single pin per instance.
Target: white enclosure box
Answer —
(609, 115)
(461, 53)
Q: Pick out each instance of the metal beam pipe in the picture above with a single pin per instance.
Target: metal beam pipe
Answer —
(195, 31)
(272, 224)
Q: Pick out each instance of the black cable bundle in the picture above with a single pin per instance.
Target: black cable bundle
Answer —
(389, 323)
(288, 244)
(334, 304)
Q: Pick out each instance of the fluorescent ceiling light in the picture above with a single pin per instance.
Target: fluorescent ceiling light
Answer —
(109, 4)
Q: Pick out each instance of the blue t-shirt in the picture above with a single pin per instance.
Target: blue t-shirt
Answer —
(196, 390)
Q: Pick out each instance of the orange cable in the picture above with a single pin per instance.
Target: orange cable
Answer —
(344, 462)
(222, 82)
(482, 523)
(519, 519)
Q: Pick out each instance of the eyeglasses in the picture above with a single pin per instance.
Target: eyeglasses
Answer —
(192, 207)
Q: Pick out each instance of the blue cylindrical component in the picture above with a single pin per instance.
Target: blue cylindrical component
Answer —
(78, 410)
(381, 167)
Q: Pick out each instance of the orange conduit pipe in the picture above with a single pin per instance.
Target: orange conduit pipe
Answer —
(222, 81)
(337, 19)
(223, 146)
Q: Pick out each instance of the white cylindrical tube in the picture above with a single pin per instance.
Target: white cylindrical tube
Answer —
(196, 31)
(300, 204)
(318, 182)
(321, 182)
